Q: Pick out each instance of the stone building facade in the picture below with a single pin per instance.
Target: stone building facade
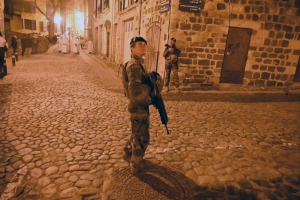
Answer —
(238, 42)
(2, 17)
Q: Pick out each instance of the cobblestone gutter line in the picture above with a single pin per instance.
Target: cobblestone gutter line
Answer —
(10, 178)
(5, 91)
(14, 188)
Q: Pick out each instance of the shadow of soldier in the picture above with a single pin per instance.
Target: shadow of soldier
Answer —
(168, 183)
(155, 182)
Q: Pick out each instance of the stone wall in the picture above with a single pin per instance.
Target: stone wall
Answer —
(274, 47)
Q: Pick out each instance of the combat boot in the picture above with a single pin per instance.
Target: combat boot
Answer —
(137, 167)
(126, 157)
(165, 89)
(144, 164)
(176, 89)
(127, 152)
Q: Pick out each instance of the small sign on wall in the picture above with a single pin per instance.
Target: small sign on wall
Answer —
(164, 6)
(190, 5)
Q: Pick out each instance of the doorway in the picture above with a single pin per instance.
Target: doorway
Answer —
(297, 73)
(235, 55)
(128, 34)
(95, 50)
(153, 37)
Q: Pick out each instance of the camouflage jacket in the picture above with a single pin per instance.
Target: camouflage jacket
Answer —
(138, 86)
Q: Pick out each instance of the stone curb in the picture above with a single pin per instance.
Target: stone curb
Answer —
(227, 89)
(207, 90)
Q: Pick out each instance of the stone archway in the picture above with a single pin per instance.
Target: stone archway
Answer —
(107, 26)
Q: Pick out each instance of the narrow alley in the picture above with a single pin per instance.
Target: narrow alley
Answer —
(64, 121)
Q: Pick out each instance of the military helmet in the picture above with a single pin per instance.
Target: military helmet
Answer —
(137, 39)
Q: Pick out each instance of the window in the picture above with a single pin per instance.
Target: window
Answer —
(44, 26)
(125, 3)
(105, 4)
(102, 5)
(117, 5)
(29, 24)
(99, 8)
(29, 7)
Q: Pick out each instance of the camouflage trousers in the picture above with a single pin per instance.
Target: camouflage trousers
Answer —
(136, 147)
(171, 67)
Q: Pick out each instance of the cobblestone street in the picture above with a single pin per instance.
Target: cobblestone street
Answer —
(64, 121)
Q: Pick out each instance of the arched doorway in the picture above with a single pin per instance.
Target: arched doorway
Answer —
(153, 37)
(107, 25)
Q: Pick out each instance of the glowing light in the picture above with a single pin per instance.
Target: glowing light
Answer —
(57, 19)
(79, 15)
(80, 20)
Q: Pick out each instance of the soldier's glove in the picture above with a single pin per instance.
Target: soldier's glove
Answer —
(158, 81)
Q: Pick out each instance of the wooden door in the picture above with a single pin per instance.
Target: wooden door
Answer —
(297, 73)
(235, 55)
(95, 49)
(128, 35)
(101, 42)
(153, 36)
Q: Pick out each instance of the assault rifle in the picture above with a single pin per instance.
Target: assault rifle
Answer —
(176, 50)
(157, 101)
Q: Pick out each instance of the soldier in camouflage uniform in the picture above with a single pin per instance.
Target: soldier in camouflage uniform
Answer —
(137, 90)
(171, 54)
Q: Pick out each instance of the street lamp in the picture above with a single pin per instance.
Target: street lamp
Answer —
(57, 20)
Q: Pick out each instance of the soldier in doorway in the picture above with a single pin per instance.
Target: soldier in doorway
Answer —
(171, 54)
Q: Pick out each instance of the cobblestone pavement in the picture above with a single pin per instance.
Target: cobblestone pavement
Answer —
(63, 123)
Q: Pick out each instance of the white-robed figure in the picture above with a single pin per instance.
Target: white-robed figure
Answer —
(65, 45)
(90, 46)
(75, 45)
(59, 43)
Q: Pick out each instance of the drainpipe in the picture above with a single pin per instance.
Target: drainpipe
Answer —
(140, 17)
(170, 3)
(112, 32)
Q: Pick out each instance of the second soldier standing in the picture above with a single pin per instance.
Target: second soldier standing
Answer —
(171, 54)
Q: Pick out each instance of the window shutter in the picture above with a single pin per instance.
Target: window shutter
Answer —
(33, 25)
(44, 26)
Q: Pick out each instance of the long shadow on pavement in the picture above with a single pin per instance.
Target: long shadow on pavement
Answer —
(167, 183)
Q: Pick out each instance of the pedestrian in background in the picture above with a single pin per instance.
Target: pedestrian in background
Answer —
(3, 49)
(28, 44)
(136, 85)
(171, 54)
(54, 39)
(23, 44)
(35, 43)
(59, 43)
(75, 45)
(65, 42)
(81, 42)
(14, 44)
(90, 46)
